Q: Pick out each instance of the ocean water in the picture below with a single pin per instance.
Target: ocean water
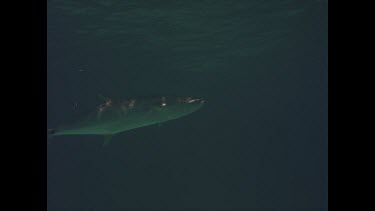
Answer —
(260, 142)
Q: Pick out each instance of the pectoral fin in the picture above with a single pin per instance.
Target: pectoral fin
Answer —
(107, 139)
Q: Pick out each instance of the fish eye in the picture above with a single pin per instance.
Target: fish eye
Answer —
(163, 104)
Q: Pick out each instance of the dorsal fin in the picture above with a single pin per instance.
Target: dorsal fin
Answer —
(102, 97)
(105, 100)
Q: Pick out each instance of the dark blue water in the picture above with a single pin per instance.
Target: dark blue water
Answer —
(260, 141)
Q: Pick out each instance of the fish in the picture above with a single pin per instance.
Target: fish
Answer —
(113, 117)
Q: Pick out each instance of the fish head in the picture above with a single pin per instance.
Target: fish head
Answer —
(180, 106)
(190, 100)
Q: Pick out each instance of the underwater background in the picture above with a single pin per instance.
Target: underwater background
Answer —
(260, 142)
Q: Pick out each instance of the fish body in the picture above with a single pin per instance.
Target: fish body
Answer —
(111, 117)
